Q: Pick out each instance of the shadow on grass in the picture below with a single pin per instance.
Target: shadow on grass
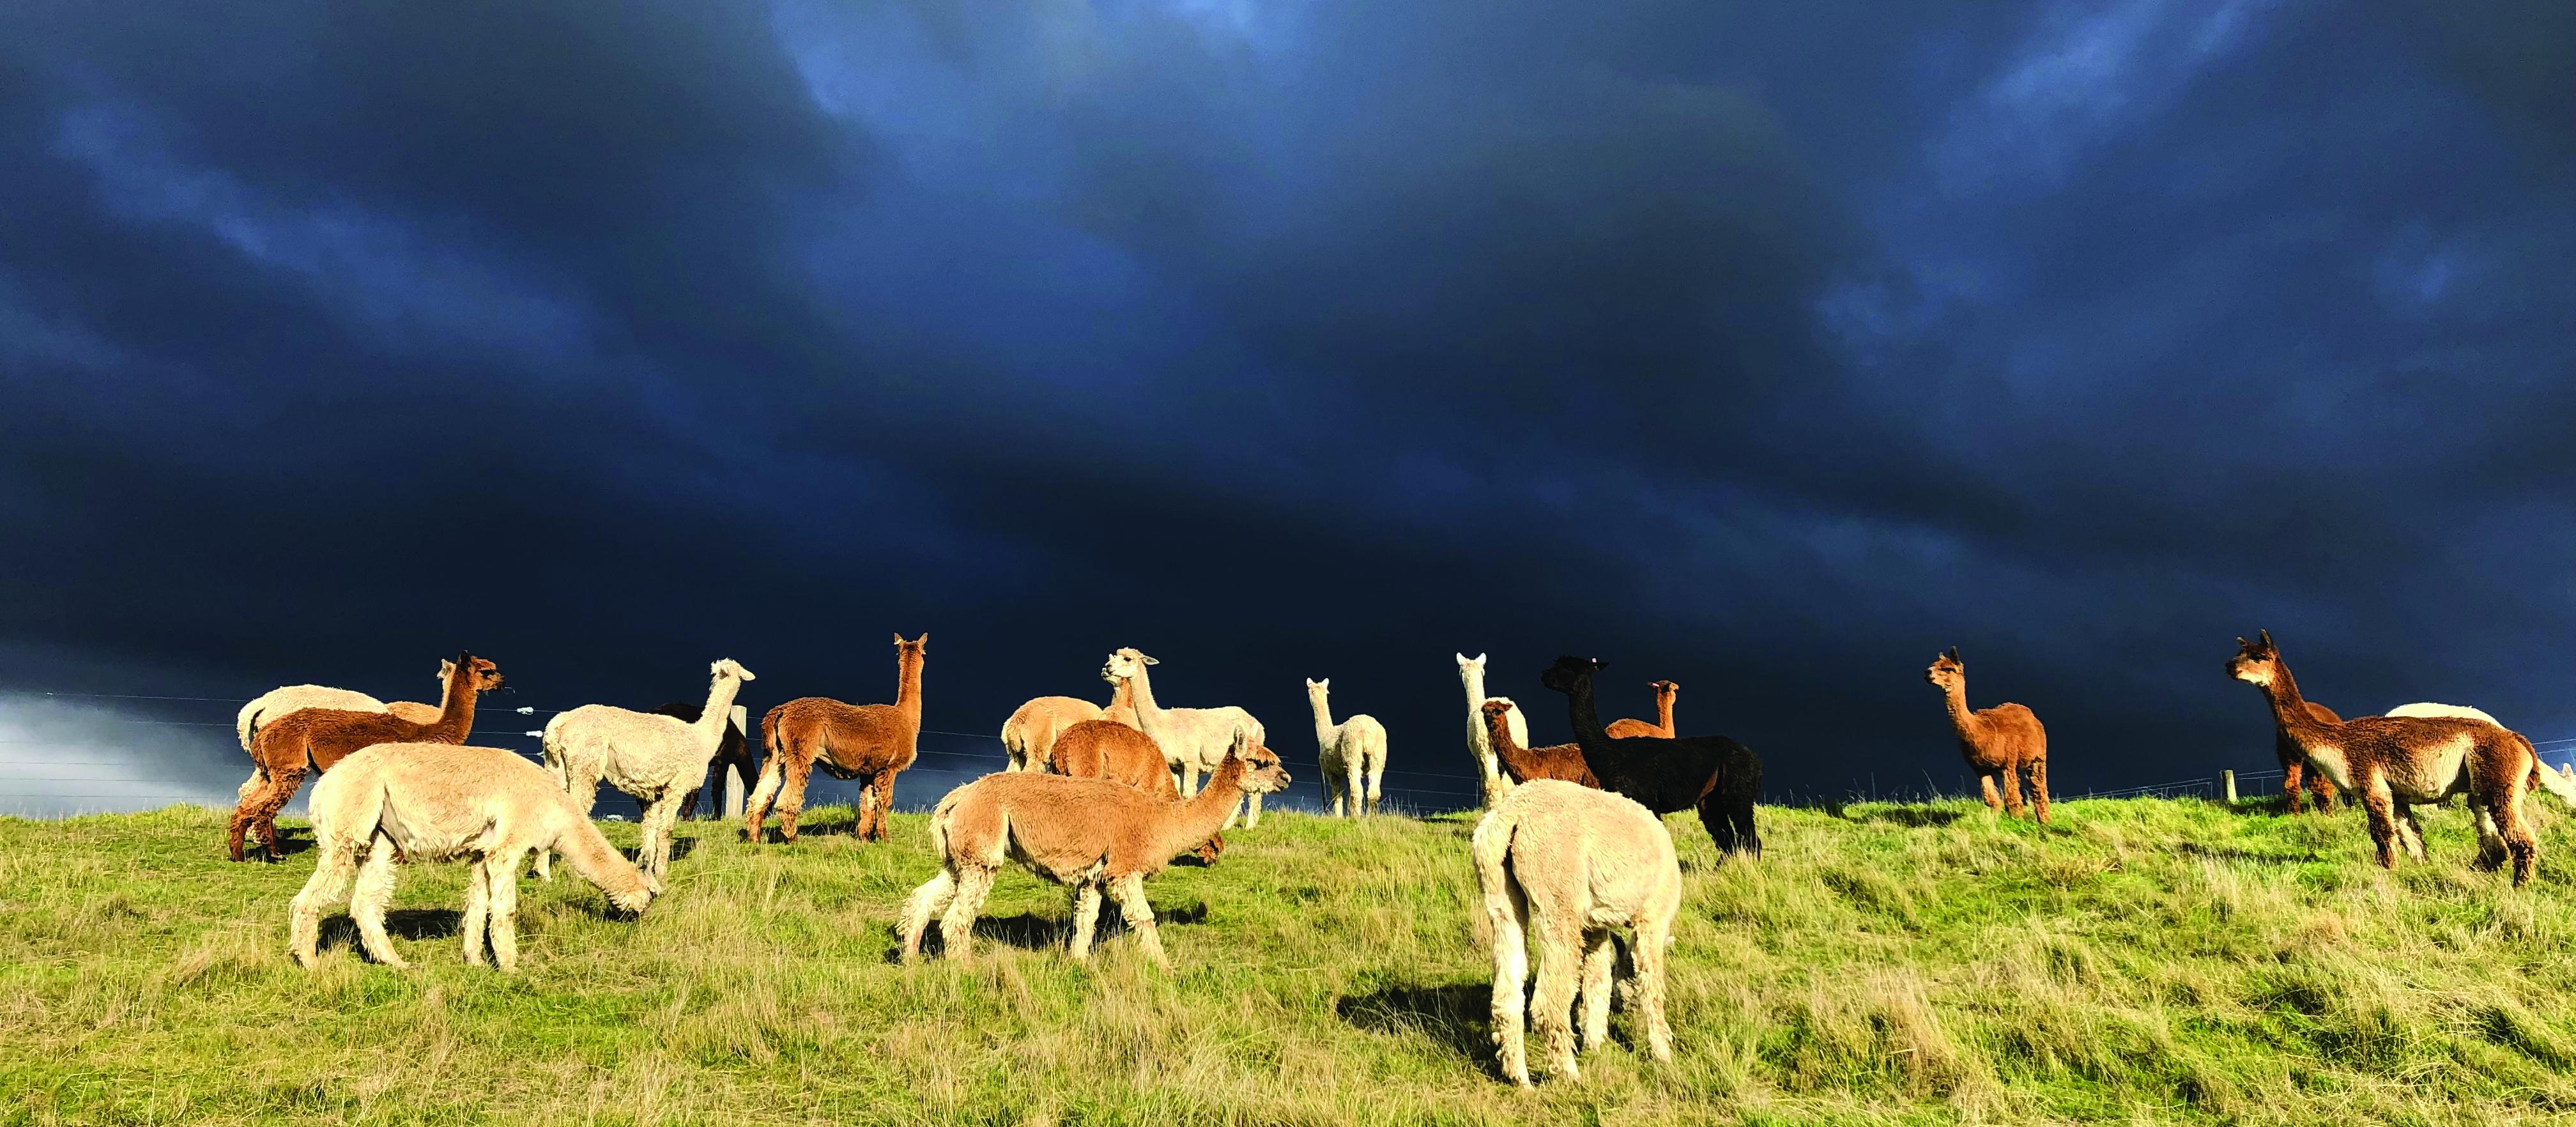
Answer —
(1919, 817)
(400, 923)
(681, 847)
(1030, 931)
(1458, 1015)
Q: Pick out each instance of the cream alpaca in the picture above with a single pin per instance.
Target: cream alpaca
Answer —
(1471, 673)
(1193, 739)
(1572, 864)
(436, 802)
(1347, 751)
(658, 759)
(2428, 708)
(1092, 834)
(278, 702)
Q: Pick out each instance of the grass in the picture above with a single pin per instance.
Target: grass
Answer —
(2141, 961)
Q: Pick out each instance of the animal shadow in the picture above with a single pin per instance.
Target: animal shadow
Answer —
(1030, 931)
(1919, 817)
(400, 923)
(1457, 1015)
(290, 842)
(681, 847)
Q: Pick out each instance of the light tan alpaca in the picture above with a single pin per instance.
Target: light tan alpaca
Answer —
(1663, 727)
(1471, 674)
(1193, 739)
(436, 802)
(1091, 834)
(1572, 864)
(1348, 752)
(658, 759)
(278, 702)
(1029, 736)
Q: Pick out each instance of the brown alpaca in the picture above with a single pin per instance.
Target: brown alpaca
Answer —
(2394, 762)
(1662, 728)
(2002, 743)
(1563, 761)
(868, 742)
(320, 737)
(1031, 732)
(2294, 765)
(1103, 749)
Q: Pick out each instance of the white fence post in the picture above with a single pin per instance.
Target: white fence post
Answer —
(733, 775)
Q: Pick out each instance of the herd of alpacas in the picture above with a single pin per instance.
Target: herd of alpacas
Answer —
(1572, 850)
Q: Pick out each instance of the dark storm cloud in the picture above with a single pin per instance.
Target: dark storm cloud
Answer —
(1765, 352)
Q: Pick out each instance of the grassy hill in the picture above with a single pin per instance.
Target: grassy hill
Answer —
(2142, 961)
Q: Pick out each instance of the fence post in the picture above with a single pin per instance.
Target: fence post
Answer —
(2227, 783)
(733, 774)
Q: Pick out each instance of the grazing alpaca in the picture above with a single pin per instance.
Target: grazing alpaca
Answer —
(1347, 751)
(436, 802)
(1193, 740)
(316, 738)
(1092, 834)
(1029, 736)
(2000, 743)
(1718, 776)
(1665, 691)
(869, 742)
(1103, 749)
(1563, 762)
(653, 757)
(1571, 865)
(733, 751)
(1471, 673)
(2394, 762)
(279, 702)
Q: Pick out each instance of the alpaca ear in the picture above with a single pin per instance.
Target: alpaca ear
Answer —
(1151, 661)
(898, 637)
(922, 643)
(1954, 654)
(2266, 635)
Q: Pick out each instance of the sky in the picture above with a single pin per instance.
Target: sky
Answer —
(1767, 349)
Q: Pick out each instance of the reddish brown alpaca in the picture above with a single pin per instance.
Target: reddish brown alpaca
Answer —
(320, 737)
(1106, 749)
(2000, 743)
(2393, 762)
(1563, 762)
(868, 742)
(1662, 728)
(2294, 765)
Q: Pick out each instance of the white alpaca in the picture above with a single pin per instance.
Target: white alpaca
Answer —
(1471, 673)
(1347, 751)
(1572, 864)
(658, 759)
(438, 802)
(1194, 740)
(292, 698)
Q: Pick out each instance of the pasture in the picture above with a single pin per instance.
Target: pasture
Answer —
(2140, 961)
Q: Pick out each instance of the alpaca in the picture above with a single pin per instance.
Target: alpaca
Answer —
(2000, 743)
(1572, 864)
(1718, 776)
(1471, 673)
(2429, 708)
(1193, 740)
(1347, 751)
(733, 750)
(2294, 770)
(1563, 762)
(2394, 762)
(1030, 734)
(1091, 834)
(279, 702)
(653, 757)
(1102, 749)
(869, 742)
(319, 737)
(436, 801)
(1665, 691)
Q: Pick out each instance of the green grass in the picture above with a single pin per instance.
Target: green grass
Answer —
(2142, 961)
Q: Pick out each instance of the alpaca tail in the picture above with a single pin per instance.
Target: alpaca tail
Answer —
(245, 724)
(769, 726)
(939, 822)
(554, 753)
(1491, 849)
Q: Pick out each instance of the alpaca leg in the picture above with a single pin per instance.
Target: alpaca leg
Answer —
(792, 801)
(1355, 785)
(2291, 781)
(1739, 810)
(1508, 913)
(2011, 779)
(1646, 952)
(1721, 829)
(957, 928)
(2519, 842)
(1599, 955)
(501, 874)
(478, 907)
(2324, 788)
(1333, 795)
(2382, 809)
(2410, 833)
(329, 882)
(883, 787)
(933, 895)
(655, 856)
(1994, 798)
(1376, 781)
(1189, 779)
(2038, 769)
(2491, 847)
(367, 903)
(1086, 914)
(1552, 1006)
(756, 809)
(1129, 891)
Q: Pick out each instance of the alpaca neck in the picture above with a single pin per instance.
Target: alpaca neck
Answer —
(1324, 729)
(588, 852)
(1498, 734)
(2289, 709)
(1122, 695)
(455, 710)
(1962, 720)
(907, 688)
(710, 725)
(1588, 733)
(1150, 716)
(1200, 816)
(1473, 676)
(1664, 711)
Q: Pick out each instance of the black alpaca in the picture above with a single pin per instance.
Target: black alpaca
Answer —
(1714, 774)
(733, 750)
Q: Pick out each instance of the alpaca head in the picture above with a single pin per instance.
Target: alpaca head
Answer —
(2257, 662)
(482, 675)
(911, 649)
(728, 667)
(1569, 672)
(1665, 688)
(634, 898)
(1476, 663)
(1263, 773)
(1946, 671)
(1497, 710)
(1318, 690)
(446, 669)
(1124, 665)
